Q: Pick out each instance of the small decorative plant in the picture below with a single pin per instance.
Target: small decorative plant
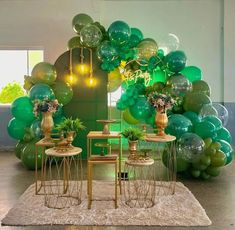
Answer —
(45, 105)
(161, 101)
(133, 134)
(70, 125)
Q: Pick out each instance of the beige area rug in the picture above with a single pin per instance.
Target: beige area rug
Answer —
(180, 209)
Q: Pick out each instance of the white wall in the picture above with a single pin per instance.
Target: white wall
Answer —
(198, 24)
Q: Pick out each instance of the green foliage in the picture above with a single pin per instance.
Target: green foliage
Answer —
(70, 124)
(133, 134)
(10, 92)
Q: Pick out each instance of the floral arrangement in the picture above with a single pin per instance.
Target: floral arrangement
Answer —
(45, 105)
(161, 101)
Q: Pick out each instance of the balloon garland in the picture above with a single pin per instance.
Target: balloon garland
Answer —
(137, 65)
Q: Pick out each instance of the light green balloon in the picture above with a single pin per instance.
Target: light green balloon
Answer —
(44, 72)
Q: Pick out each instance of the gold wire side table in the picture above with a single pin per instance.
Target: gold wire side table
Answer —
(139, 186)
(62, 177)
(107, 159)
(164, 152)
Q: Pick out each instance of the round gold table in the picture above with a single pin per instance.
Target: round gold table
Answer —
(62, 177)
(139, 186)
(164, 152)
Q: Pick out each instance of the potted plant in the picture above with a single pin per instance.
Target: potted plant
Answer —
(70, 127)
(133, 135)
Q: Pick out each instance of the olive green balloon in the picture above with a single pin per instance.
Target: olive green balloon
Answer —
(213, 171)
(81, 20)
(218, 159)
(201, 86)
(63, 92)
(195, 173)
(194, 101)
(19, 148)
(146, 49)
(44, 72)
(127, 117)
(28, 156)
(74, 42)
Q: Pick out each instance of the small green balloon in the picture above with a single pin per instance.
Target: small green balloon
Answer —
(28, 156)
(218, 159)
(227, 149)
(16, 128)
(204, 175)
(41, 91)
(195, 173)
(214, 120)
(213, 171)
(44, 72)
(158, 76)
(74, 42)
(22, 109)
(193, 117)
(81, 20)
(136, 37)
(63, 92)
(193, 73)
(201, 86)
(205, 160)
(199, 166)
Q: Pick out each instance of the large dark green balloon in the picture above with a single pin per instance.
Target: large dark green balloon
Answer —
(119, 32)
(63, 92)
(175, 61)
(19, 148)
(178, 125)
(81, 20)
(201, 86)
(205, 129)
(193, 73)
(44, 72)
(193, 117)
(16, 128)
(194, 101)
(28, 156)
(228, 151)
(215, 121)
(224, 134)
(22, 109)
(141, 109)
(41, 91)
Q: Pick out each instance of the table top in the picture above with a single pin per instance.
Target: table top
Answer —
(140, 162)
(50, 142)
(99, 134)
(63, 152)
(152, 137)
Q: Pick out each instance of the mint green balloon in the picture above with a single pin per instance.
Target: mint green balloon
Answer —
(224, 134)
(16, 128)
(44, 72)
(215, 121)
(194, 101)
(41, 91)
(193, 73)
(22, 109)
(63, 92)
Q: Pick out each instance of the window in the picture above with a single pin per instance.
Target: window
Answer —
(14, 64)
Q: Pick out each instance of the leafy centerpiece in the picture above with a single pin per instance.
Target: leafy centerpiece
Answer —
(133, 135)
(46, 107)
(161, 102)
(70, 127)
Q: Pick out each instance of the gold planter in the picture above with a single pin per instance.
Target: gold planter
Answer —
(132, 149)
(70, 137)
(47, 124)
(161, 121)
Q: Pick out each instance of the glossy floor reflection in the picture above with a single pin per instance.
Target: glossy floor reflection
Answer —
(217, 196)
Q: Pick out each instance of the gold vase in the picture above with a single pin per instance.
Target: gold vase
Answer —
(161, 121)
(47, 124)
(132, 150)
(70, 137)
